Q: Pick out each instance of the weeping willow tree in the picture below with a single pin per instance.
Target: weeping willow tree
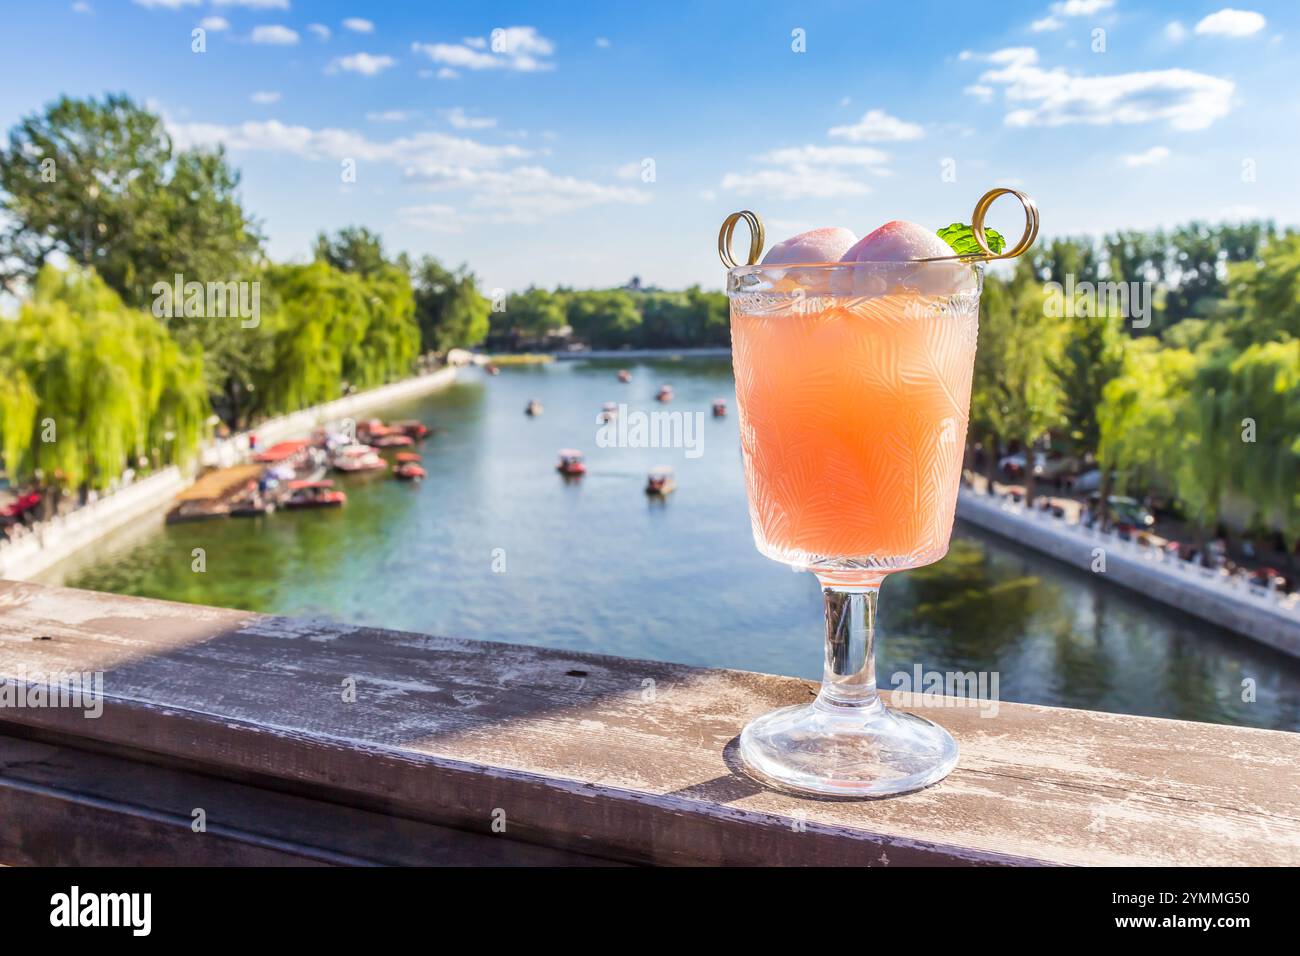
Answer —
(330, 329)
(95, 386)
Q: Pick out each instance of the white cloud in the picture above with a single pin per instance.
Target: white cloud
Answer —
(1081, 8)
(330, 143)
(979, 91)
(320, 29)
(1240, 213)
(521, 49)
(877, 126)
(165, 4)
(1187, 100)
(1231, 23)
(459, 119)
(215, 24)
(795, 183)
(1150, 157)
(1047, 23)
(253, 4)
(447, 73)
(1175, 32)
(522, 194)
(392, 116)
(358, 25)
(602, 42)
(275, 34)
(364, 63)
(433, 217)
(265, 96)
(825, 156)
(80, 7)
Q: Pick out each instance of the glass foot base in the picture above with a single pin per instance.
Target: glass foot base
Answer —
(864, 750)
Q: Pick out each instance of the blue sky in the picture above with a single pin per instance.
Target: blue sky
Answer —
(515, 137)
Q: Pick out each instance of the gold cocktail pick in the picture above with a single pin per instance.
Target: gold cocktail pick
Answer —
(976, 221)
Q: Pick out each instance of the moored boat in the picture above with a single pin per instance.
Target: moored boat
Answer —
(314, 494)
(408, 467)
(660, 481)
(571, 462)
(353, 459)
(719, 408)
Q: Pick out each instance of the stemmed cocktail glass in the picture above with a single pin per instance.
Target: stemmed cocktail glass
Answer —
(853, 384)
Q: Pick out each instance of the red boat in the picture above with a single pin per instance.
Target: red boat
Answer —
(412, 428)
(719, 408)
(391, 440)
(624, 376)
(571, 462)
(665, 394)
(409, 467)
(314, 494)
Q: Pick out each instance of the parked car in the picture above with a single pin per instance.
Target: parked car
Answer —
(1125, 511)
(1088, 483)
(1048, 464)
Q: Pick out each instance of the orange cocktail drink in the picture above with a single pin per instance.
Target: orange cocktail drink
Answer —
(853, 385)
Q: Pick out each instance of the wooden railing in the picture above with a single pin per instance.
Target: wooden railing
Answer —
(236, 738)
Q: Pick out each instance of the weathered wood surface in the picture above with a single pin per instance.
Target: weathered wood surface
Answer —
(629, 760)
(61, 806)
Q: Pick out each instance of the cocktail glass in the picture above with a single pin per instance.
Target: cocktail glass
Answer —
(853, 386)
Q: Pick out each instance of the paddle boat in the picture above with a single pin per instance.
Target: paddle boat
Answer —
(624, 376)
(411, 427)
(660, 481)
(665, 393)
(314, 494)
(719, 408)
(533, 408)
(608, 412)
(570, 462)
(354, 459)
(492, 369)
(408, 467)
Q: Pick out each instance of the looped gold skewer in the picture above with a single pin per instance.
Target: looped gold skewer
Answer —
(756, 234)
(728, 229)
(981, 237)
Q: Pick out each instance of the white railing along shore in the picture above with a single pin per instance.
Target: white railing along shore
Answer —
(1231, 601)
(34, 549)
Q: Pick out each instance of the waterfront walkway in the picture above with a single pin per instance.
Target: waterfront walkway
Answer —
(1266, 615)
(44, 544)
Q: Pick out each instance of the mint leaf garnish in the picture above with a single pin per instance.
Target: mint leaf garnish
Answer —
(962, 239)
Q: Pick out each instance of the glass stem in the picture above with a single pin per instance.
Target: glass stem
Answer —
(849, 677)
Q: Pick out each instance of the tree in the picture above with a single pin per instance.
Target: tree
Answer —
(1017, 394)
(100, 182)
(353, 249)
(532, 312)
(448, 307)
(1092, 355)
(605, 319)
(98, 385)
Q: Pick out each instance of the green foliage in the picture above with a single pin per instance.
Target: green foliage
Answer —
(353, 249)
(1017, 393)
(449, 309)
(962, 239)
(100, 182)
(105, 381)
(327, 330)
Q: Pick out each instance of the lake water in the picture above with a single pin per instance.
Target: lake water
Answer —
(495, 544)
